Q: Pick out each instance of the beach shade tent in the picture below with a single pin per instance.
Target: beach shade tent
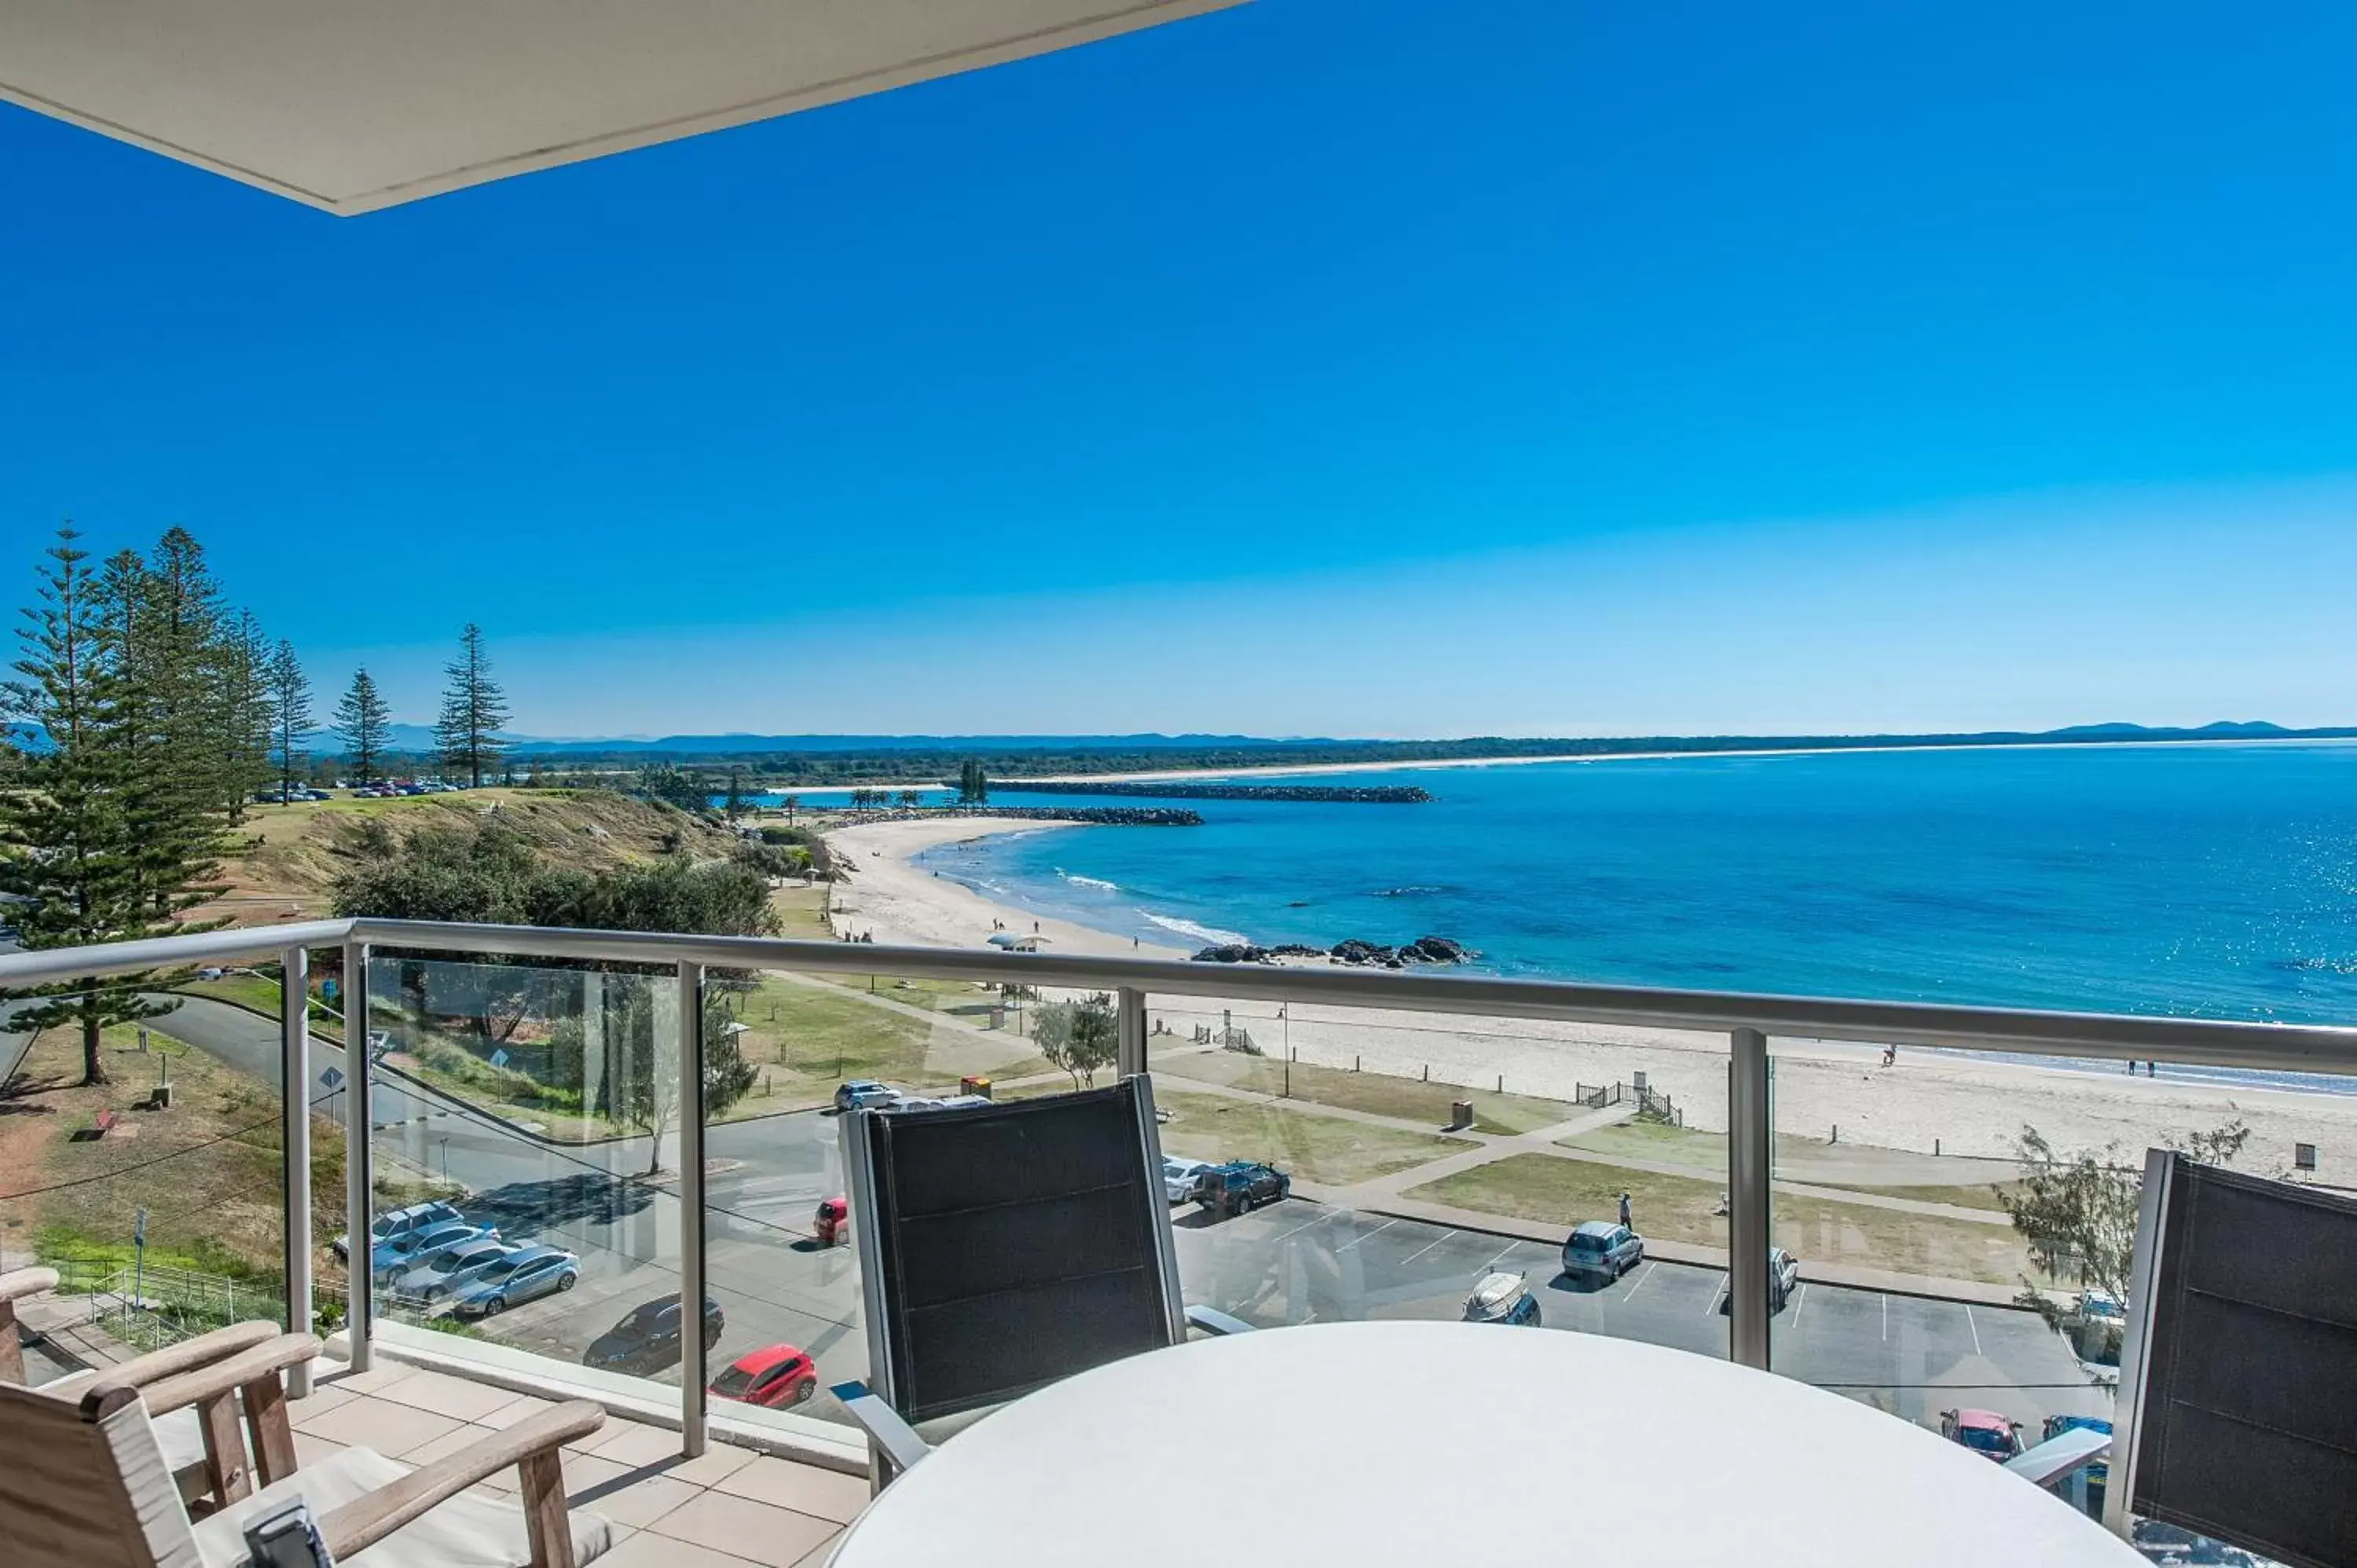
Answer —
(2236, 1416)
(1013, 944)
(350, 105)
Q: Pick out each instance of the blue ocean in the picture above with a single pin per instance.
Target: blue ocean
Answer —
(2214, 881)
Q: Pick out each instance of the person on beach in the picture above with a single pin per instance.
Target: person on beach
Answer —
(1889, 1055)
(1626, 1213)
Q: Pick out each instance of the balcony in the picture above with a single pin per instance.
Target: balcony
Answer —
(1803, 1206)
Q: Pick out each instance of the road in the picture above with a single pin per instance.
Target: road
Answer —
(1296, 1261)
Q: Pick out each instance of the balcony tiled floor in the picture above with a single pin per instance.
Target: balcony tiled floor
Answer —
(726, 1509)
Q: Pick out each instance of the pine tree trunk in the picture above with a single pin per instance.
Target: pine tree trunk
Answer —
(94, 1069)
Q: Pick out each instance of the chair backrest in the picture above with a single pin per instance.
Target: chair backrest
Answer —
(1005, 1247)
(2236, 1416)
(87, 1485)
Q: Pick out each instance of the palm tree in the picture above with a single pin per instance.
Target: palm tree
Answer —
(909, 800)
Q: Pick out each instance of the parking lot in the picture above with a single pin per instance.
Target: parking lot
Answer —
(1299, 1261)
(1909, 1356)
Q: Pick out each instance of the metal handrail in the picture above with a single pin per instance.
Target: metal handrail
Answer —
(1747, 1020)
(2105, 1035)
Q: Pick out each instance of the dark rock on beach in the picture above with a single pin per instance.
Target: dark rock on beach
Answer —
(1233, 953)
(1423, 949)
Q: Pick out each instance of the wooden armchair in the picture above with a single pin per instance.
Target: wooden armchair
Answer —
(15, 1286)
(207, 1454)
(86, 1483)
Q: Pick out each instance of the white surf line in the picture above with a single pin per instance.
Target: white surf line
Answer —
(1974, 1327)
(1712, 1305)
(1650, 1269)
(1800, 1306)
(1363, 1235)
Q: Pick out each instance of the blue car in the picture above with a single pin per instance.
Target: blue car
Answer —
(862, 1093)
(525, 1274)
(396, 1255)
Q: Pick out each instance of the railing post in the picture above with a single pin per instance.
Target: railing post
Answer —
(694, 1372)
(359, 1159)
(1749, 1169)
(295, 1145)
(1130, 1038)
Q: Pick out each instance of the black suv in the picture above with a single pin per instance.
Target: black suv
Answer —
(1241, 1185)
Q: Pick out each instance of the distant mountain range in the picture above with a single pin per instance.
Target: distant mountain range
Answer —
(1156, 749)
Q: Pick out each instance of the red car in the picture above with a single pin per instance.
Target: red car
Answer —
(1983, 1432)
(778, 1378)
(832, 1225)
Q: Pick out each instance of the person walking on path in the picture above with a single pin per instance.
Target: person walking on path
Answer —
(1626, 1222)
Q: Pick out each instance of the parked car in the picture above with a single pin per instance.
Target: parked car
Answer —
(1783, 1278)
(430, 1277)
(778, 1378)
(1983, 1432)
(401, 1221)
(647, 1338)
(1600, 1249)
(527, 1273)
(1502, 1298)
(1182, 1180)
(831, 1225)
(1241, 1185)
(862, 1093)
(388, 1259)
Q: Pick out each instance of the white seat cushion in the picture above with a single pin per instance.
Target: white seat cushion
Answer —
(470, 1530)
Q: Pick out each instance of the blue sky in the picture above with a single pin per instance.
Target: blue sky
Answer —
(1319, 367)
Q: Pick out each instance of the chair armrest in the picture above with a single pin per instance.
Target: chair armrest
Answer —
(215, 1379)
(1211, 1320)
(172, 1360)
(369, 1518)
(18, 1283)
(882, 1422)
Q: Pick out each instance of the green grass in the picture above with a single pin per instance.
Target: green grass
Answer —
(1979, 1196)
(1408, 1098)
(823, 1035)
(206, 1170)
(1675, 1146)
(260, 993)
(1324, 1149)
(1680, 1208)
(801, 913)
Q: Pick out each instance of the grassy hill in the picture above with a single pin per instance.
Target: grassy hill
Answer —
(287, 858)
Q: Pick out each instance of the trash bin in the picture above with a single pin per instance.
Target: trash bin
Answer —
(974, 1084)
(1460, 1115)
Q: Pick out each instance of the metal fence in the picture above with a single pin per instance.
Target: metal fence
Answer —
(1746, 1021)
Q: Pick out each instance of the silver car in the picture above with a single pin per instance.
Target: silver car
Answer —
(432, 1276)
(1182, 1180)
(1603, 1250)
(524, 1274)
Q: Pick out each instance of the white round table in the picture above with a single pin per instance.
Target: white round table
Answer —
(1363, 1443)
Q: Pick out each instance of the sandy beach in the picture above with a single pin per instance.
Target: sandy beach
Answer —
(1928, 1101)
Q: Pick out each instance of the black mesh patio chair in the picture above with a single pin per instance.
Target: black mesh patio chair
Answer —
(1005, 1247)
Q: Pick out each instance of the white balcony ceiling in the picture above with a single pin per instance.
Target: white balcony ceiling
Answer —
(350, 105)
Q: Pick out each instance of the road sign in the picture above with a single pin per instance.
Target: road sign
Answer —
(139, 1228)
(333, 1077)
(499, 1059)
